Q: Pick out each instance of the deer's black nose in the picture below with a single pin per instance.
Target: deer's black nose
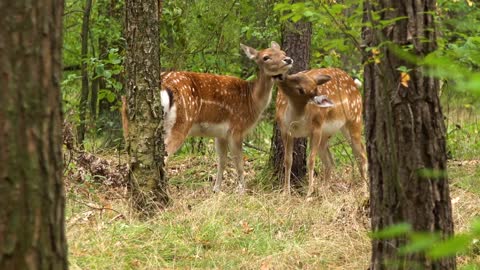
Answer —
(288, 61)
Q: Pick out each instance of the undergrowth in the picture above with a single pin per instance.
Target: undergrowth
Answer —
(260, 230)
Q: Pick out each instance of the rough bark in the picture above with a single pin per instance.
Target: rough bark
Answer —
(148, 182)
(32, 200)
(405, 136)
(84, 92)
(296, 44)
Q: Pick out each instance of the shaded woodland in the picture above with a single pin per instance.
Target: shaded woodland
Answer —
(90, 71)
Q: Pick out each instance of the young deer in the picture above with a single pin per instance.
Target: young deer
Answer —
(224, 107)
(317, 104)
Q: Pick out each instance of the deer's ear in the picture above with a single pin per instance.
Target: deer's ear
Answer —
(274, 45)
(323, 101)
(321, 79)
(250, 52)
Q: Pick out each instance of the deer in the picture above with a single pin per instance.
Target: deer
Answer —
(318, 104)
(220, 106)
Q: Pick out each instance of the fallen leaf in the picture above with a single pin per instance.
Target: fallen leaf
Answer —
(404, 79)
(265, 266)
(246, 228)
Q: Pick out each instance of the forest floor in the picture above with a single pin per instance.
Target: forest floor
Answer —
(260, 230)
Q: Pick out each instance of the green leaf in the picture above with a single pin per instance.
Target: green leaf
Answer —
(429, 173)
(392, 231)
(107, 74)
(308, 13)
(296, 17)
(111, 97)
(117, 85)
(419, 242)
(450, 247)
(100, 69)
(404, 69)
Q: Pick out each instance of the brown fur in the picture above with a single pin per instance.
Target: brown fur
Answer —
(295, 111)
(202, 100)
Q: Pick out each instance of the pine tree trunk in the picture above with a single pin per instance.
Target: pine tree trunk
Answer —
(81, 129)
(148, 182)
(405, 136)
(296, 44)
(32, 198)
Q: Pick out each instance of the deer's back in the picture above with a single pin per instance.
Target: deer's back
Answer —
(343, 92)
(210, 102)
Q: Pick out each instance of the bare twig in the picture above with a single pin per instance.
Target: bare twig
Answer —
(102, 208)
(254, 147)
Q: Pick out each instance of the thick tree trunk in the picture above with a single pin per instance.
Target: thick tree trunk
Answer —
(296, 44)
(405, 136)
(84, 93)
(148, 181)
(32, 198)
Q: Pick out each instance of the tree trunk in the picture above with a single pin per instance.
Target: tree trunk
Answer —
(148, 182)
(84, 93)
(94, 87)
(296, 44)
(32, 200)
(405, 135)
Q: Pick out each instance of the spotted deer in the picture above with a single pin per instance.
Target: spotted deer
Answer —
(224, 107)
(317, 104)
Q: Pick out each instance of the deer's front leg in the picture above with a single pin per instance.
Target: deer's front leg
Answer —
(314, 144)
(237, 156)
(287, 161)
(221, 146)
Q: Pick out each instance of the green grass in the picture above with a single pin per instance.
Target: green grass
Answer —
(224, 232)
(261, 230)
(202, 230)
(466, 175)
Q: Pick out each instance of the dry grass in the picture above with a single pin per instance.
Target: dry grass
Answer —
(261, 230)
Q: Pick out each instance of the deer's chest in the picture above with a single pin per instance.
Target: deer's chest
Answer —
(297, 127)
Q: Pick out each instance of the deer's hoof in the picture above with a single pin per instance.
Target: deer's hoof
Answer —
(216, 189)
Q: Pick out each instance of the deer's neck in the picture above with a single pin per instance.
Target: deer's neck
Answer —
(297, 108)
(262, 91)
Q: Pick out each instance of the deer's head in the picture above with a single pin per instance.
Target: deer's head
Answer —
(272, 61)
(303, 87)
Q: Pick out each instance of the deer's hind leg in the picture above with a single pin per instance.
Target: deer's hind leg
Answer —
(237, 156)
(353, 133)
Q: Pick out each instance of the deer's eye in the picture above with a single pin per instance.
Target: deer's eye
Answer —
(266, 57)
(301, 91)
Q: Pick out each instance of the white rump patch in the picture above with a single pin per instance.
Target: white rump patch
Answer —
(357, 82)
(165, 100)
